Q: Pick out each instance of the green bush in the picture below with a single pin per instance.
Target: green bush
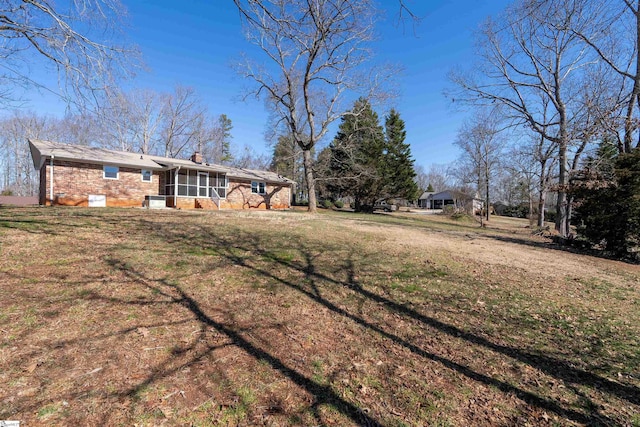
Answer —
(461, 216)
(550, 216)
(338, 204)
(448, 210)
(327, 204)
(608, 217)
(519, 211)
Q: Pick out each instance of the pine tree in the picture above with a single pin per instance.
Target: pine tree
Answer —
(356, 164)
(399, 173)
(225, 141)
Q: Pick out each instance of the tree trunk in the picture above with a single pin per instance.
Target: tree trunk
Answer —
(569, 213)
(630, 124)
(542, 191)
(486, 181)
(541, 203)
(311, 182)
(562, 218)
(530, 205)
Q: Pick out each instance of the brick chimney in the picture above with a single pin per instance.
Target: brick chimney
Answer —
(196, 157)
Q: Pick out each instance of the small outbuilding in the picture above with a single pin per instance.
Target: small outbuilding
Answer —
(457, 199)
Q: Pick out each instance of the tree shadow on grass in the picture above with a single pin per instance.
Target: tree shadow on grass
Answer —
(489, 233)
(323, 394)
(244, 247)
(557, 368)
(558, 247)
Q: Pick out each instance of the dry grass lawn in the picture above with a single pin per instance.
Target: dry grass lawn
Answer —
(133, 317)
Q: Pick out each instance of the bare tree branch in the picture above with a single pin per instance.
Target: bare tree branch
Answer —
(80, 43)
(314, 50)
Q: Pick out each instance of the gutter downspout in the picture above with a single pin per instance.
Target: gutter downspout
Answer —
(175, 189)
(51, 180)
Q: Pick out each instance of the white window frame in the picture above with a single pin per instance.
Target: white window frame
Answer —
(258, 185)
(204, 187)
(104, 172)
(142, 175)
(219, 187)
(173, 185)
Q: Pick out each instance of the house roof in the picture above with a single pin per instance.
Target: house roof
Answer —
(42, 150)
(448, 195)
(443, 195)
(425, 195)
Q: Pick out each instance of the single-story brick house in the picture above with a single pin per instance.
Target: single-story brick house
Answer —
(75, 175)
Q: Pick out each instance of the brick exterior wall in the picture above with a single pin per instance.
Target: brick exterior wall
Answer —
(73, 183)
(239, 196)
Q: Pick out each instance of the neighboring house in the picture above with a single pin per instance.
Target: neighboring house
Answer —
(85, 176)
(423, 199)
(454, 198)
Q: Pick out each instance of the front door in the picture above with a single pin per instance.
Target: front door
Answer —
(203, 184)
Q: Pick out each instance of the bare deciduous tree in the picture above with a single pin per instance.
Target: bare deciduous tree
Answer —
(18, 175)
(75, 37)
(481, 143)
(184, 113)
(246, 158)
(527, 60)
(544, 155)
(147, 115)
(130, 120)
(314, 50)
(214, 139)
(167, 124)
(422, 180)
(115, 116)
(613, 34)
(79, 129)
(439, 177)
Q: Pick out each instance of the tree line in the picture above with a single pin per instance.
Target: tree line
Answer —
(171, 124)
(561, 77)
(561, 80)
(364, 163)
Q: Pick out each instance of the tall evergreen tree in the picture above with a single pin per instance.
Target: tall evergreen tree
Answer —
(356, 165)
(608, 202)
(225, 125)
(399, 173)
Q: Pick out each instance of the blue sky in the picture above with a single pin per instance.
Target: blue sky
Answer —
(194, 42)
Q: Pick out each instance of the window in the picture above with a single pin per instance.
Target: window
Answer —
(258, 187)
(196, 183)
(146, 175)
(110, 172)
(203, 184)
(219, 182)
